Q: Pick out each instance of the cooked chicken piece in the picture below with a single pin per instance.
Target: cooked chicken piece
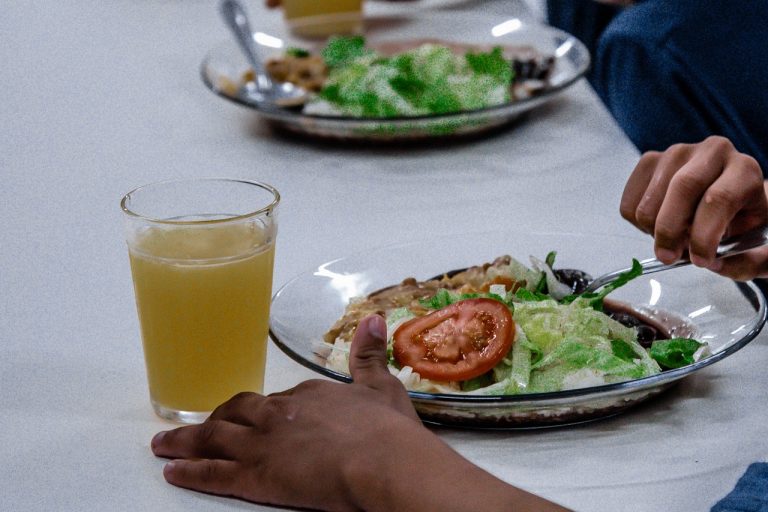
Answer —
(309, 72)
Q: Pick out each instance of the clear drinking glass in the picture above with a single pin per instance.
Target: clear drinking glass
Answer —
(202, 253)
(323, 18)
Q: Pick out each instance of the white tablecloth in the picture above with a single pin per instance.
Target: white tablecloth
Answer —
(99, 97)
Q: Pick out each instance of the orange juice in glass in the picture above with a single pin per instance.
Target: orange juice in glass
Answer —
(322, 18)
(202, 253)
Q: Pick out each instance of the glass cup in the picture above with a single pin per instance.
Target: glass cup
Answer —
(202, 253)
(322, 18)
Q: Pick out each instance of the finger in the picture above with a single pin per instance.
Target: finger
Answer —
(738, 190)
(637, 183)
(745, 266)
(368, 356)
(368, 364)
(668, 164)
(679, 206)
(210, 440)
(239, 409)
(207, 475)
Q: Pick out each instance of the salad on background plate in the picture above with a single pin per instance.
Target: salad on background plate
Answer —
(415, 78)
(423, 78)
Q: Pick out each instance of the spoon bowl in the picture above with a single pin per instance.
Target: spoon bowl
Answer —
(263, 88)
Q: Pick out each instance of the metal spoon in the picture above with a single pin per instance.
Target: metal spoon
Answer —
(728, 247)
(283, 94)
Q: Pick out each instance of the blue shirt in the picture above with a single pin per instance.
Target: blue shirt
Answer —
(584, 19)
(680, 70)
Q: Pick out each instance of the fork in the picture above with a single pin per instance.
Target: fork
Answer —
(728, 247)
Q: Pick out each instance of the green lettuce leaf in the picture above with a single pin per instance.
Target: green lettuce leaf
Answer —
(541, 286)
(532, 296)
(444, 298)
(342, 50)
(492, 64)
(623, 350)
(674, 353)
(297, 52)
(595, 300)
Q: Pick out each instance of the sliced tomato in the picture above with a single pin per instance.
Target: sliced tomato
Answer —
(458, 342)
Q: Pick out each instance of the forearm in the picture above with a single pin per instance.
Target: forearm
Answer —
(447, 482)
(420, 473)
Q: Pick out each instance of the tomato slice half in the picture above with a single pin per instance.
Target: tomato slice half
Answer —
(458, 342)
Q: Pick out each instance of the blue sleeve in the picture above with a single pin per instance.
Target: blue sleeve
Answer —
(750, 493)
(666, 73)
(640, 83)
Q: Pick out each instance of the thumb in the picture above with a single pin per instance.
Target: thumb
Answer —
(368, 356)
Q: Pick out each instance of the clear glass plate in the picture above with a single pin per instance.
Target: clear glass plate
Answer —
(709, 307)
(223, 68)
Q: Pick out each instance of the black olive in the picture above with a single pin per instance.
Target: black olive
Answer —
(524, 68)
(625, 319)
(646, 335)
(576, 280)
(517, 67)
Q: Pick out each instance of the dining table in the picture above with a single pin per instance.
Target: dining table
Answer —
(101, 97)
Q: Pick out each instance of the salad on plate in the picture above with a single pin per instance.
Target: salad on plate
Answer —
(505, 328)
(409, 79)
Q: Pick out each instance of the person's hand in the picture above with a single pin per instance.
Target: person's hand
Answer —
(296, 447)
(691, 196)
(332, 446)
(272, 3)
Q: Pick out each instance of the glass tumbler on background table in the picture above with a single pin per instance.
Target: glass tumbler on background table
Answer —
(202, 254)
(323, 18)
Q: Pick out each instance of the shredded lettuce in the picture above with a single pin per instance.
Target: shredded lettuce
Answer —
(429, 79)
(531, 296)
(547, 323)
(575, 359)
(492, 64)
(341, 50)
(444, 298)
(520, 369)
(395, 319)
